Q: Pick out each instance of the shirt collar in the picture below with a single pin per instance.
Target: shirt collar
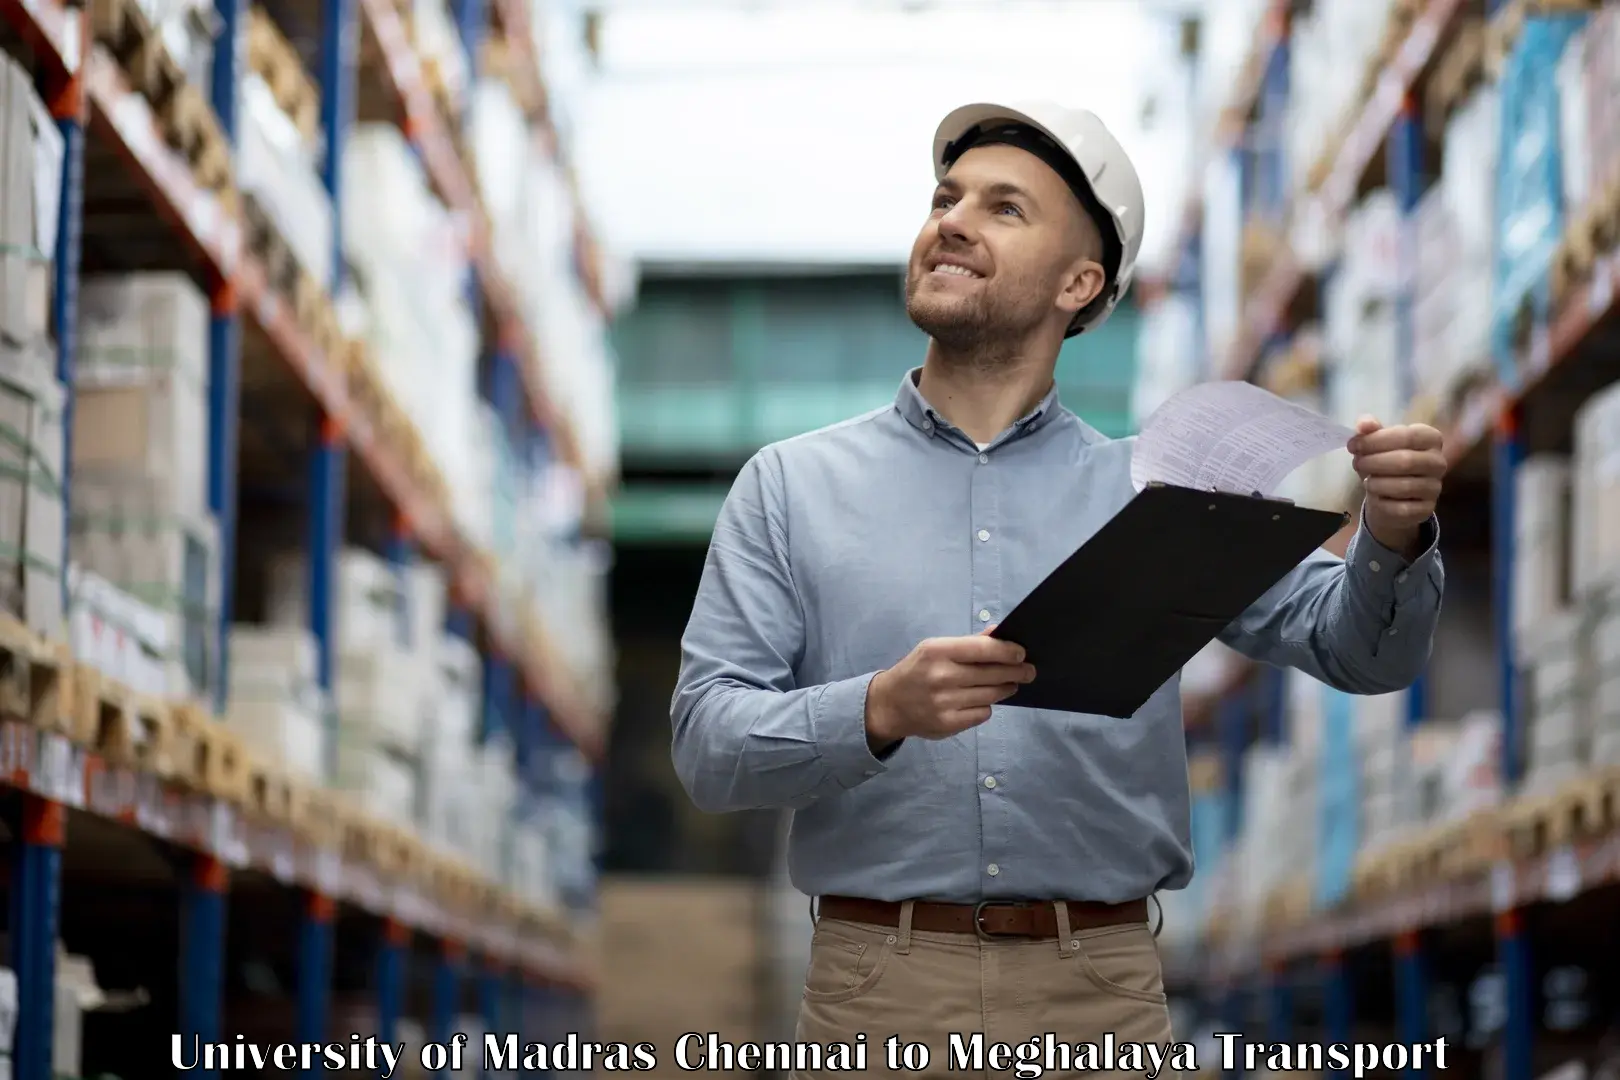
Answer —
(925, 418)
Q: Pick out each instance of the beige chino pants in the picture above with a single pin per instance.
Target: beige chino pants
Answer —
(926, 987)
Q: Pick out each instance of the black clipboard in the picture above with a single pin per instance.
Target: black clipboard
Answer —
(1151, 588)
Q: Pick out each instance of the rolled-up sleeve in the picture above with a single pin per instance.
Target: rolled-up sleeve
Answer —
(1363, 624)
(746, 736)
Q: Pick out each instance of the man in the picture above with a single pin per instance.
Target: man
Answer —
(982, 868)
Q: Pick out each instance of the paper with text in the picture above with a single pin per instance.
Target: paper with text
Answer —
(1230, 436)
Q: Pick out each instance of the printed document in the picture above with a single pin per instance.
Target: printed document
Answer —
(1230, 436)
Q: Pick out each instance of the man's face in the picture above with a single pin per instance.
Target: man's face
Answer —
(1006, 249)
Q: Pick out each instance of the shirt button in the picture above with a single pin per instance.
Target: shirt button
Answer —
(1400, 578)
(992, 869)
(1373, 566)
(989, 781)
(984, 534)
(1392, 631)
(928, 425)
(984, 459)
(984, 614)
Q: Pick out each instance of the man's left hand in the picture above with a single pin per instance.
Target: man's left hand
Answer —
(1401, 469)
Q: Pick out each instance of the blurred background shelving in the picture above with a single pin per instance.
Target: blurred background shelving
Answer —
(1409, 209)
(309, 424)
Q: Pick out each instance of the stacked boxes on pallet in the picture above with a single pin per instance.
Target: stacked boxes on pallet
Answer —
(111, 631)
(1595, 563)
(1384, 754)
(409, 256)
(188, 29)
(31, 437)
(275, 704)
(1546, 630)
(452, 812)
(140, 501)
(380, 684)
(276, 170)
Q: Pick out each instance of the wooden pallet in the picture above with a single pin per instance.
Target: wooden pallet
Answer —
(317, 316)
(1585, 807)
(362, 838)
(128, 730)
(1290, 904)
(211, 758)
(184, 115)
(191, 127)
(1593, 231)
(389, 422)
(35, 679)
(1397, 27)
(272, 57)
(315, 815)
(122, 27)
(400, 854)
(457, 886)
(269, 790)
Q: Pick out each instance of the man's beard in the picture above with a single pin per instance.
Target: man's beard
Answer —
(980, 329)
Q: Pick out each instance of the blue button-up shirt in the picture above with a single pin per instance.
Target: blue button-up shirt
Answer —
(838, 551)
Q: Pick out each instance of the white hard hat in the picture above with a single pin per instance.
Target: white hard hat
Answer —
(1108, 183)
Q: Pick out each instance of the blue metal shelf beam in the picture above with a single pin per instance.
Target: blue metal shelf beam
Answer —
(489, 999)
(445, 1002)
(68, 110)
(326, 486)
(506, 395)
(1508, 453)
(315, 942)
(225, 353)
(36, 873)
(202, 954)
(1280, 1006)
(1338, 1003)
(224, 422)
(1518, 1036)
(500, 696)
(392, 951)
(1411, 993)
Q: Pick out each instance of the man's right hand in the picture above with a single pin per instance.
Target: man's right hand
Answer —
(943, 686)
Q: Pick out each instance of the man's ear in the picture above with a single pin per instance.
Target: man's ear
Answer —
(1083, 284)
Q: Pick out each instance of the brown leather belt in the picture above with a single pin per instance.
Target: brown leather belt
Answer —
(991, 919)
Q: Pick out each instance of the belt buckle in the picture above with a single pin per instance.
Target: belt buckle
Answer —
(978, 918)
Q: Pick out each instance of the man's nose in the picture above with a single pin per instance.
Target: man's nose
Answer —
(958, 223)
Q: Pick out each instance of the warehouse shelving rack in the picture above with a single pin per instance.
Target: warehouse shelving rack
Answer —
(1515, 898)
(208, 854)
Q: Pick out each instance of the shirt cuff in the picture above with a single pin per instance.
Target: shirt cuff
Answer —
(1395, 584)
(839, 721)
